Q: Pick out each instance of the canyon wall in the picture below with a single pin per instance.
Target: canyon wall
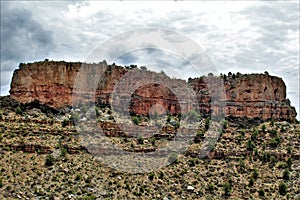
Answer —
(59, 84)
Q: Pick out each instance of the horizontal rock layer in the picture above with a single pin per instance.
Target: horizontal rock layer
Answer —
(60, 84)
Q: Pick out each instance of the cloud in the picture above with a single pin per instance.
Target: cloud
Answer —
(22, 39)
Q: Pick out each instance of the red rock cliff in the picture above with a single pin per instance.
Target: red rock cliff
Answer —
(52, 83)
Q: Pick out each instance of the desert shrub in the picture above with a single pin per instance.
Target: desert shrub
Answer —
(289, 149)
(286, 174)
(84, 108)
(200, 133)
(273, 132)
(49, 160)
(207, 123)
(153, 141)
(265, 157)
(242, 165)
(255, 152)
(140, 139)
(78, 177)
(254, 134)
(274, 142)
(282, 188)
(19, 110)
(282, 165)
(251, 182)
(272, 161)
(255, 173)
(263, 128)
(289, 162)
(193, 162)
(250, 145)
(225, 124)
(75, 118)
(151, 176)
(261, 192)
(161, 175)
(227, 189)
(65, 122)
(211, 187)
(97, 111)
(136, 120)
(63, 152)
(242, 134)
(132, 145)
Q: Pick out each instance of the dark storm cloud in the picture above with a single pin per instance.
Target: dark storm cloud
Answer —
(22, 37)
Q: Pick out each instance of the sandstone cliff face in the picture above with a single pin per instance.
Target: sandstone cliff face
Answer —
(145, 92)
(253, 95)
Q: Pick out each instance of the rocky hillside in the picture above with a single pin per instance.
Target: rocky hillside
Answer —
(43, 157)
(52, 83)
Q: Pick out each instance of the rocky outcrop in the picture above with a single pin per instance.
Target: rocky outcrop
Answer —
(252, 95)
(143, 92)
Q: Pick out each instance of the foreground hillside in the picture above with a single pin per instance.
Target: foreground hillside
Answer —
(41, 157)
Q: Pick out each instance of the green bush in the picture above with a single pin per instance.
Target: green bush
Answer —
(151, 176)
(261, 192)
(211, 187)
(242, 165)
(286, 174)
(250, 145)
(289, 163)
(18, 110)
(63, 152)
(254, 134)
(140, 139)
(136, 120)
(78, 177)
(274, 142)
(273, 132)
(289, 149)
(207, 123)
(251, 182)
(65, 122)
(49, 160)
(272, 162)
(265, 157)
(153, 141)
(200, 133)
(193, 162)
(161, 175)
(282, 188)
(255, 173)
(263, 128)
(227, 189)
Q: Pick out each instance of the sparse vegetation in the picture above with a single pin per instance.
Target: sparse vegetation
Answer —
(50, 159)
(136, 120)
(282, 188)
(19, 110)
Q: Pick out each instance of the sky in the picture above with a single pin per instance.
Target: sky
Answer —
(237, 36)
